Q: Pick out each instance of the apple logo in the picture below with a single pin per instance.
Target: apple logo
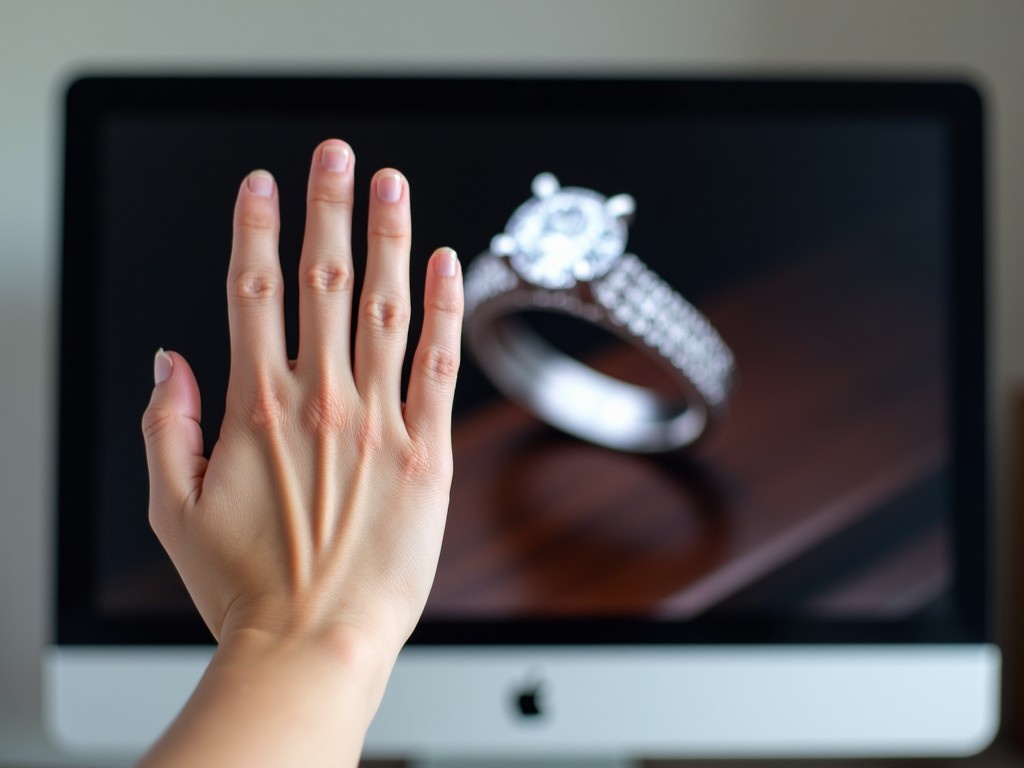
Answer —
(528, 699)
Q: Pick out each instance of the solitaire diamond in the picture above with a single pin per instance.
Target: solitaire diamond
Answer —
(564, 235)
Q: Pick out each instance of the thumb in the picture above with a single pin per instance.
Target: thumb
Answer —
(174, 440)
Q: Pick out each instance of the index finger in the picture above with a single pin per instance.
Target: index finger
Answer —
(255, 286)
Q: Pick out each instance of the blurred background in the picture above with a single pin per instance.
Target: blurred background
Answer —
(45, 44)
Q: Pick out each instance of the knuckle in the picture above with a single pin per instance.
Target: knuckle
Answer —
(370, 436)
(255, 285)
(330, 199)
(255, 219)
(415, 460)
(425, 464)
(439, 364)
(154, 422)
(385, 313)
(447, 305)
(325, 412)
(327, 275)
(267, 409)
(392, 232)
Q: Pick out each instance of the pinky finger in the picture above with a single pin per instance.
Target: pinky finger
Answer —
(428, 408)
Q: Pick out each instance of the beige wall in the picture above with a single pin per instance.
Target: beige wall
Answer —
(42, 43)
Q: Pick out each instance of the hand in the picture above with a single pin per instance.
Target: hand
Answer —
(321, 510)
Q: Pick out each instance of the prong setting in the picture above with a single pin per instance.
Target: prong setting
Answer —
(620, 206)
(503, 244)
(564, 235)
(545, 185)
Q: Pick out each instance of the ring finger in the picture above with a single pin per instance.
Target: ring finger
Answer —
(384, 304)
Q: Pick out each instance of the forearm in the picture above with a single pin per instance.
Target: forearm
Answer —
(267, 701)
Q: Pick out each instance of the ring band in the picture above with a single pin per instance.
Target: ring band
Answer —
(612, 290)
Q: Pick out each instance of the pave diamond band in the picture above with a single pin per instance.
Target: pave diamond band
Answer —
(645, 305)
(633, 303)
(563, 251)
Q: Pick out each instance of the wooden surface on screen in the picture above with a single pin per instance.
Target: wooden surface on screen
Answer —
(830, 420)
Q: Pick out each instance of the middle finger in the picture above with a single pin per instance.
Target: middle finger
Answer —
(325, 267)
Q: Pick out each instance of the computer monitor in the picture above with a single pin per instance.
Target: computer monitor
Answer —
(720, 432)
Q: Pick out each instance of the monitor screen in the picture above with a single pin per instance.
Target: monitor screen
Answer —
(824, 240)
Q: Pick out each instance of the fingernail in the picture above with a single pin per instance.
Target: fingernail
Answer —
(162, 366)
(446, 263)
(389, 188)
(334, 158)
(261, 183)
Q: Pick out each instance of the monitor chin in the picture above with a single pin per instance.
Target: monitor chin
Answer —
(605, 706)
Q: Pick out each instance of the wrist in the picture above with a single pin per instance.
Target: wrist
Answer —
(349, 667)
(337, 649)
(271, 699)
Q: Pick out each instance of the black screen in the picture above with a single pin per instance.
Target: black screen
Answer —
(830, 232)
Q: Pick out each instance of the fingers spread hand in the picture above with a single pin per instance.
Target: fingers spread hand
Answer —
(323, 503)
